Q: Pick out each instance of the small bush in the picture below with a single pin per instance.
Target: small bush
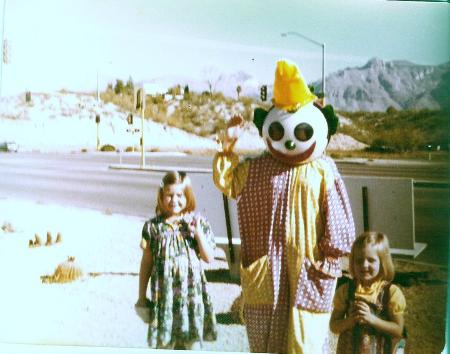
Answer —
(107, 147)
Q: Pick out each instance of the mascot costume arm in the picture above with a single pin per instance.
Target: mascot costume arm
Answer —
(228, 174)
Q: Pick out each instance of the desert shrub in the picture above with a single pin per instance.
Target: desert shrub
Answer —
(246, 101)
(129, 149)
(380, 149)
(407, 130)
(391, 110)
(125, 102)
(129, 87)
(175, 90)
(107, 147)
(119, 87)
(155, 100)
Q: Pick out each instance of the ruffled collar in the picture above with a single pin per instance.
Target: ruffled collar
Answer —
(370, 290)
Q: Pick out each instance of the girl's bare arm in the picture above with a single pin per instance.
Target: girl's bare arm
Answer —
(144, 275)
(339, 323)
(205, 249)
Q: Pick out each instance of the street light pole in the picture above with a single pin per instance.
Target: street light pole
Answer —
(98, 93)
(322, 45)
(142, 130)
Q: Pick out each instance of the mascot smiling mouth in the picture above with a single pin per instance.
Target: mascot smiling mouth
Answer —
(291, 159)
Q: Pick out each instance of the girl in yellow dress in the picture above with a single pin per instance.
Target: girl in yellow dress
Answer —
(368, 311)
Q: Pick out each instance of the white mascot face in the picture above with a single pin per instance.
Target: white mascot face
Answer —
(296, 138)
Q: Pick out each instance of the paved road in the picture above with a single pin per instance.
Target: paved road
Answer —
(85, 180)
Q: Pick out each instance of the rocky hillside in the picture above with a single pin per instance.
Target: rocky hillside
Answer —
(66, 122)
(379, 85)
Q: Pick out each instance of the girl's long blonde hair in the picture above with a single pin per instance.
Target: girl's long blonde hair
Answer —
(175, 177)
(381, 243)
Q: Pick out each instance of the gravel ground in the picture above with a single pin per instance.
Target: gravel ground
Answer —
(98, 310)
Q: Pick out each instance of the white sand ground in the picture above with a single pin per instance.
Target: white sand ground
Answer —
(91, 311)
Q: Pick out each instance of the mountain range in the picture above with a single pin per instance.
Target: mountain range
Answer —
(378, 85)
(373, 87)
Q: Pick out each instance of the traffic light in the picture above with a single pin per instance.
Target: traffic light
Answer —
(97, 118)
(130, 119)
(263, 92)
(138, 98)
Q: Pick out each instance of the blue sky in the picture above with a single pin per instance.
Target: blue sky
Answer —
(58, 44)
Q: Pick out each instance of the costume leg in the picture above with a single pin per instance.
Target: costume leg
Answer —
(308, 332)
(257, 322)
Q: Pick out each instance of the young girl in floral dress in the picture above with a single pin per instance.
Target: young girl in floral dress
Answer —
(368, 311)
(175, 241)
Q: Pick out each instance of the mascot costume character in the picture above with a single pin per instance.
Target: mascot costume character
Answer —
(295, 219)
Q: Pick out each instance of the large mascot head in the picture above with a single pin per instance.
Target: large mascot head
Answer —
(297, 128)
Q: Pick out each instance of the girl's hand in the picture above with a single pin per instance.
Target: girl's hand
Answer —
(198, 230)
(227, 138)
(145, 302)
(205, 250)
(142, 308)
(362, 313)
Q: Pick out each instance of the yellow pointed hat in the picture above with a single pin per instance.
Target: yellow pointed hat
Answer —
(290, 91)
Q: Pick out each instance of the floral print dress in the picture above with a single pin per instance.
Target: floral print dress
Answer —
(181, 310)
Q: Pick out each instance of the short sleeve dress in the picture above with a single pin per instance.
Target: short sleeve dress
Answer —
(385, 300)
(181, 310)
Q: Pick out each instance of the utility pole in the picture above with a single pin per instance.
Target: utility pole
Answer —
(142, 129)
(139, 99)
(97, 122)
(98, 93)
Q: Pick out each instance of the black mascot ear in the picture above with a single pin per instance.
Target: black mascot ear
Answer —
(259, 116)
(332, 119)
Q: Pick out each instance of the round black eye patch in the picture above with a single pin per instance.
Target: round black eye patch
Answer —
(276, 131)
(303, 131)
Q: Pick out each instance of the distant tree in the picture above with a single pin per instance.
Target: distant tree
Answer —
(176, 90)
(119, 87)
(129, 87)
(109, 87)
(391, 110)
(238, 90)
(186, 92)
(212, 78)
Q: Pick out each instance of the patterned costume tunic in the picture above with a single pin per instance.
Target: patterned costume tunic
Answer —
(295, 222)
(181, 310)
